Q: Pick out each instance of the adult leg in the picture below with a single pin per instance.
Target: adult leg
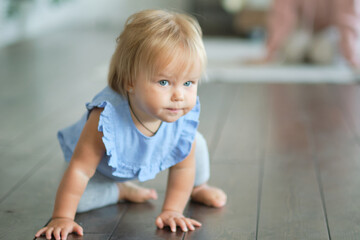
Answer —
(296, 46)
(323, 48)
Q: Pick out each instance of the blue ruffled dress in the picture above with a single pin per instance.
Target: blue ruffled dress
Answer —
(129, 153)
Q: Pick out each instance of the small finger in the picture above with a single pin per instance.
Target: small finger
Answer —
(189, 224)
(64, 234)
(49, 233)
(154, 194)
(41, 231)
(195, 223)
(172, 225)
(159, 223)
(79, 230)
(57, 233)
(181, 223)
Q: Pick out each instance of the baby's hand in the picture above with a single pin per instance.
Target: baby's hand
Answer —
(173, 219)
(60, 228)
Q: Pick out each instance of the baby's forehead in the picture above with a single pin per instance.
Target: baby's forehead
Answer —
(177, 66)
(176, 69)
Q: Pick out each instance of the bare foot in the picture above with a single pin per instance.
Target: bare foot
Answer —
(208, 195)
(134, 193)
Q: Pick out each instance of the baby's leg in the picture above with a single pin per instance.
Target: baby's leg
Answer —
(202, 192)
(134, 193)
(102, 191)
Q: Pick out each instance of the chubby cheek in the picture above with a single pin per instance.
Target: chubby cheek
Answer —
(192, 100)
(154, 106)
(191, 104)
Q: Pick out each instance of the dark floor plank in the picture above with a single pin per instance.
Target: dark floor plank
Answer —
(243, 128)
(29, 207)
(35, 74)
(36, 144)
(347, 98)
(90, 236)
(235, 166)
(237, 220)
(213, 97)
(139, 223)
(103, 220)
(17, 167)
(38, 97)
(291, 206)
(337, 154)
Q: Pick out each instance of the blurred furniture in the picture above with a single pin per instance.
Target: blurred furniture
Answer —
(248, 20)
(213, 19)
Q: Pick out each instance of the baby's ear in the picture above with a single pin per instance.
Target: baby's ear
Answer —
(129, 87)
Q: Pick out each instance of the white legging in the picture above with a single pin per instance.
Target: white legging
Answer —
(102, 191)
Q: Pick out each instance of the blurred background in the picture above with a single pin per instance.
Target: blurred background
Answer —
(27, 18)
(234, 32)
(54, 57)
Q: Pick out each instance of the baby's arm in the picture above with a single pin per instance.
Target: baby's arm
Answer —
(87, 155)
(179, 187)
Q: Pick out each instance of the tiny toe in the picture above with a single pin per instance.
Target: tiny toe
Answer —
(153, 194)
(219, 204)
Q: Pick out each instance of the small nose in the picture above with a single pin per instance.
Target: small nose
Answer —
(177, 95)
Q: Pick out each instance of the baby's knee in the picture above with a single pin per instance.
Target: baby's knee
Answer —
(201, 144)
(202, 160)
(201, 150)
(84, 206)
(100, 192)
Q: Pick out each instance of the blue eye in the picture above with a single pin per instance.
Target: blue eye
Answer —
(164, 82)
(188, 84)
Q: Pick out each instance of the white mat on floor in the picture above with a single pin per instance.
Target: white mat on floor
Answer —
(225, 57)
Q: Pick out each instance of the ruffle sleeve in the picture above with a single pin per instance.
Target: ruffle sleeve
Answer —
(107, 127)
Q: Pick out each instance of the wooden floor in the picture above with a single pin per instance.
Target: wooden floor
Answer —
(288, 155)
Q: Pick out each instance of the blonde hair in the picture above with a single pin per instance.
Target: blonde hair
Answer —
(151, 40)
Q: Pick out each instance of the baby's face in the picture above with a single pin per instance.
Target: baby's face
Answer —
(168, 95)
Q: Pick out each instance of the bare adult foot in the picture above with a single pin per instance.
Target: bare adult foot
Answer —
(134, 193)
(208, 195)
